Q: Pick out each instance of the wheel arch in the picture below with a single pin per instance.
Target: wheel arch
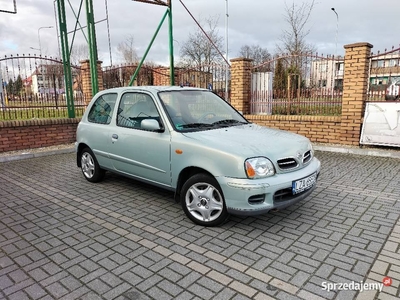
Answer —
(79, 149)
(184, 175)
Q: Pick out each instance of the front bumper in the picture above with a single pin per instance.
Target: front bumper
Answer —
(247, 197)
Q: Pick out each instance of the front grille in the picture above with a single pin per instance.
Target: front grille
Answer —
(287, 163)
(256, 199)
(285, 195)
(307, 157)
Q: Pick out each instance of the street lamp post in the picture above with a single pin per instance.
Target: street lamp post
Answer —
(38, 32)
(336, 37)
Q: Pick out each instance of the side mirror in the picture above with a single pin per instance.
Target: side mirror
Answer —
(151, 125)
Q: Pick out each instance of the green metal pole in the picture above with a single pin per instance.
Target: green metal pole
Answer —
(92, 46)
(147, 50)
(171, 44)
(65, 56)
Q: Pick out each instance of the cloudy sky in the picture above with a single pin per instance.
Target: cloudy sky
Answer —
(251, 22)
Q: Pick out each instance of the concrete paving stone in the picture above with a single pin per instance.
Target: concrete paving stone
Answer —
(93, 275)
(131, 278)
(318, 290)
(163, 242)
(302, 266)
(200, 291)
(76, 294)
(361, 268)
(92, 296)
(5, 262)
(189, 279)
(215, 265)
(57, 290)
(5, 282)
(157, 293)
(240, 297)
(20, 295)
(331, 211)
(170, 287)
(141, 271)
(18, 275)
(149, 282)
(77, 271)
(278, 274)
(264, 290)
(98, 286)
(185, 296)
(35, 291)
(299, 278)
(54, 278)
(384, 296)
(348, 275)
(38, 274)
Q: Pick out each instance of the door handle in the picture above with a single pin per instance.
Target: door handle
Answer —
(115, 136)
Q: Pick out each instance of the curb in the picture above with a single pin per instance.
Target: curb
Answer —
(358, 151)
(36, 154)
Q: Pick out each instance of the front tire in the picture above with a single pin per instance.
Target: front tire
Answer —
(90, 167)
(202, 200)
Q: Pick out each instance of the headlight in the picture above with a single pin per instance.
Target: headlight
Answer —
(259, 167)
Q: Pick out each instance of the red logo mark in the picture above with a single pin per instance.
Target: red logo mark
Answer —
(387, 281)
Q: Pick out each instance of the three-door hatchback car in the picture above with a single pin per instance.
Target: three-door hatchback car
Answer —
(194, 143)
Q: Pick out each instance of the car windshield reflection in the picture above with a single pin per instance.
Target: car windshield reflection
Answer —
(199, 110)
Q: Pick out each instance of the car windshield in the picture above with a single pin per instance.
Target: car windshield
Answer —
(193, 110)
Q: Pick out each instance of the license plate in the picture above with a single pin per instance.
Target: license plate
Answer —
(304, 184)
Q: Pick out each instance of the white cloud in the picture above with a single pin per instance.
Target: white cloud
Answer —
(250, 22)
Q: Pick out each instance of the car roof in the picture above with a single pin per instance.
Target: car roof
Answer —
(152, 89)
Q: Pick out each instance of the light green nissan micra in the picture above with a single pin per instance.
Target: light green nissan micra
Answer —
(192, 142)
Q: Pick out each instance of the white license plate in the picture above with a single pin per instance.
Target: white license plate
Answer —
(304, 184)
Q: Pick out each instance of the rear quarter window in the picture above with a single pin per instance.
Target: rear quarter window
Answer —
(102, 109)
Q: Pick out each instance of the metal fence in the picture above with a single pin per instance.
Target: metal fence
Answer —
(307, 84)
(33, 87)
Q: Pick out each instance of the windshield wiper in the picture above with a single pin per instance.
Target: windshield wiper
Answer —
(196, 125)
(228, 122)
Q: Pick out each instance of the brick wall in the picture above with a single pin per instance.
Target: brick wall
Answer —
(344, 129)
(86, 79)
(320, 129)
(20, 135)
(241, 84)
(355, 86)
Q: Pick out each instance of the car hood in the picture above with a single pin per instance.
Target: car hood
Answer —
(253, 140)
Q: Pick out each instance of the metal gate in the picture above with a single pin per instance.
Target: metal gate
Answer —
(33, 87)
(298, 85)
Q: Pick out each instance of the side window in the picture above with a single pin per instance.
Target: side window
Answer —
(134, 108)
(102, 109)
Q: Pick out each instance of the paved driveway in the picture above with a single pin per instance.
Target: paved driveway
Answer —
(62, 237)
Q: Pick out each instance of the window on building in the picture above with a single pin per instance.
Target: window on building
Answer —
(393, 62)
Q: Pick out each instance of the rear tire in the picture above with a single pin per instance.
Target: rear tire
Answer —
(90, 167)
(203, 201)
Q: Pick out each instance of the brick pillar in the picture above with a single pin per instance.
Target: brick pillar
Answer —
(355, 84)
(86, 79)
(241, 84)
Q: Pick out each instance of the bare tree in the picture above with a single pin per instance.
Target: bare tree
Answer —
(198, 51)
(293, 40)
(258, 55)
(127, 50)
(79, 53)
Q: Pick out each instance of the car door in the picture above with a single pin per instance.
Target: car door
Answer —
(138, 152)
(98, 128)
